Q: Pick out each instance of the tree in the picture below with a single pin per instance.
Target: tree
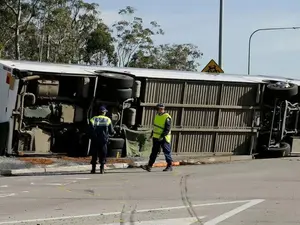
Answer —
(19, 13)
(71, 31)
(99, 46)
(65, 26)
(174, 57)
(131, 36)
(6, 21)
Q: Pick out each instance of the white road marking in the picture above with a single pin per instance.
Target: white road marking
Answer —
(53, 184)
(179, 207)
(212, 222)
(47, 184)
(78, 178)
(178, 221)
(7, 195)
(72, 182)
(3, 186)
(25, 191)
(233, 212)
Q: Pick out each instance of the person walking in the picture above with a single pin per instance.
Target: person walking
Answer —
(161, 135)
(100, 127)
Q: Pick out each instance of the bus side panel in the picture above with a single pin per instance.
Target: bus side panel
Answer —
(11, 105)
(8, 96)
(4, 123)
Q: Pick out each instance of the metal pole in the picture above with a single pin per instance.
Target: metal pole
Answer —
(263, 29)
(220, 33)
(90, 113)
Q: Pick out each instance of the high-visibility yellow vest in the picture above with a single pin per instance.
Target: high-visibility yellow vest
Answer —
(159, 125)
(100, 121)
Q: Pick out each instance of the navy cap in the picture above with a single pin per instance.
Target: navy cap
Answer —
(102, 109)
(160, 105)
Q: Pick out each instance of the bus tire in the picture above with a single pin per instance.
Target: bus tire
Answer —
(116, 80)
(284, 93)
(114, 153)
(115, 143)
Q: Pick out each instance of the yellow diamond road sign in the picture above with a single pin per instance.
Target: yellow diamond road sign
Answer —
(212, 67)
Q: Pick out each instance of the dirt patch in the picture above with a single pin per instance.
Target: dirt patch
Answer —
(87, 160)
(37, 161)
(77, 159)
(113, 160)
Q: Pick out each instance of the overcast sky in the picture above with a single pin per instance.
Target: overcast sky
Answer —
(196, 21)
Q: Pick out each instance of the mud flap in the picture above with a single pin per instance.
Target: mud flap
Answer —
(4, 128)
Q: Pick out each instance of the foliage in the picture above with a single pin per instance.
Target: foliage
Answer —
(72, 31)
(172, 57)
(99, 47)
(131, 35)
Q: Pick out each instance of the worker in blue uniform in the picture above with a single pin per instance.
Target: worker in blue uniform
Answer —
(161, 135)
(100, 127)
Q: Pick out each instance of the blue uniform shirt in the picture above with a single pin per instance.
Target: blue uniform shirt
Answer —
(100, 128)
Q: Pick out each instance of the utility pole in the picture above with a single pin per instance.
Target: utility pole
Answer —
(220, 33)
(259, 30)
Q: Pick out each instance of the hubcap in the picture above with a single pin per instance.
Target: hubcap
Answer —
(281, 84)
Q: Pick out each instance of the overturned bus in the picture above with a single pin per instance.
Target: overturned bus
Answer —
(45, 108)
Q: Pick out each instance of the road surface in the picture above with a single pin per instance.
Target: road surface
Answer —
(246, 193)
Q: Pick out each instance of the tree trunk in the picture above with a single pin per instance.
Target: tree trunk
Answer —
(17, 43)
(48, 48)
(17, 31)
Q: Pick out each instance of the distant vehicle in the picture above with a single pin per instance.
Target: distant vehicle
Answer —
(44, 108)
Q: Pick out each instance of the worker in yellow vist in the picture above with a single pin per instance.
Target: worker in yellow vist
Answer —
(161, 135)
(100, 129)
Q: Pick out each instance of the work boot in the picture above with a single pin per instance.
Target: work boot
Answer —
(146, 167)
(168, 168)
(102, 168)
(93, 169)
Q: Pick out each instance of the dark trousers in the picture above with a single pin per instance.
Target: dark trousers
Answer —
(99, 151)
(156, 150)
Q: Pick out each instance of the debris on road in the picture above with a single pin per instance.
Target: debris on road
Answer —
(37, 161)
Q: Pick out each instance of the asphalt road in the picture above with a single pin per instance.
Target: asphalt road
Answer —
(253, 192)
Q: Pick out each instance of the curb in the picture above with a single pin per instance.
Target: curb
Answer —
(200, 161)
(87, 168)
(216, 160)
(64, 169)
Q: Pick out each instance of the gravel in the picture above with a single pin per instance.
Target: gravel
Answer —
(14, 163)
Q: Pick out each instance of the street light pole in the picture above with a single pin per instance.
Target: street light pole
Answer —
(220, 33)
(264, 29)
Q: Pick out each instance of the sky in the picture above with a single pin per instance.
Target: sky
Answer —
(275, 53)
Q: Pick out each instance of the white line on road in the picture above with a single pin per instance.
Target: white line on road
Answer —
(179, 207)
(47, 184)
(177, 221)
(7, 195)
(117, 213)
(78, 178)
(3, 186)
(233, 212)
(72, 182)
